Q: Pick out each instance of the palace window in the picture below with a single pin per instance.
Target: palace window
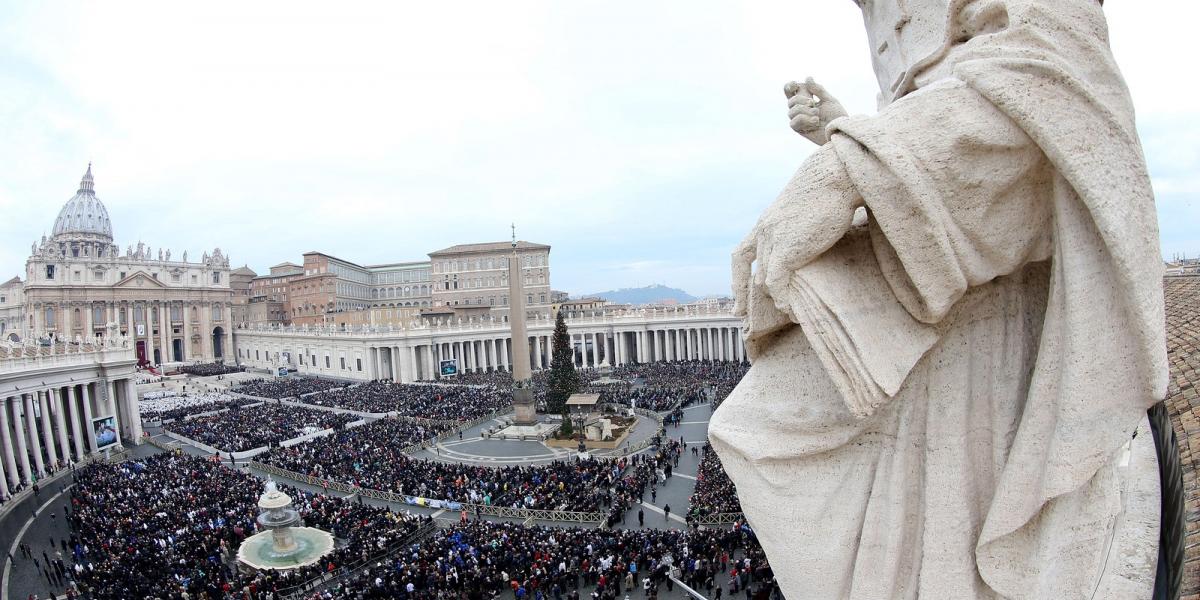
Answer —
(342, 361)
(49, 317)
(49, 271)
(216, 278)
(359, 364)
(122, 275)
(98, 275)
(176, 277)
(98, 314)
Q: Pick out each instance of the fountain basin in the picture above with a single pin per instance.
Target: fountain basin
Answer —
(310, 544)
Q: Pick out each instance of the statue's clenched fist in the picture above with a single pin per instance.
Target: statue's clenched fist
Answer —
(811, 108)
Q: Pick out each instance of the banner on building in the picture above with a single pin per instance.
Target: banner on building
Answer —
(105, 430)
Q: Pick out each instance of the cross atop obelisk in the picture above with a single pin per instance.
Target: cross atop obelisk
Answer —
(523, 401)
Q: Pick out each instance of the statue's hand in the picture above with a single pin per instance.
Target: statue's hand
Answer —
(811, 108)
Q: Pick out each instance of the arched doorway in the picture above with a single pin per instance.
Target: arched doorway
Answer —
(218, 342)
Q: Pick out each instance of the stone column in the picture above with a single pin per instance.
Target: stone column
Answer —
(19, 429)
(133, 410)
(413, 373)
(227, 331)
(60, 420)
(4, 491)
(85, 399)
(537, 352)
(608, 357)
(596, 343)
(35, 444)
(187, 333)
(76, 435)
(206, 348)
(504, 354)
(47, 430)
(148, 321)
(6, 440)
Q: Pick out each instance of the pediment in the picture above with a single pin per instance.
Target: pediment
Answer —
(140, 280)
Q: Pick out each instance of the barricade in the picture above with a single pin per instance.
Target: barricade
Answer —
(556, 516)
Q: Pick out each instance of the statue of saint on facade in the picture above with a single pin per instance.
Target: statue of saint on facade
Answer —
(955, 316)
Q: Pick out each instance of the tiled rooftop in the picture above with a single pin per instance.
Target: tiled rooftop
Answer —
(1183, 404)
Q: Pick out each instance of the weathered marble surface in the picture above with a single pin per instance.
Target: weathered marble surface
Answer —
(944, 388)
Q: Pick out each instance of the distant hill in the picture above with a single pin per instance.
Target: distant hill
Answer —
(651, 294)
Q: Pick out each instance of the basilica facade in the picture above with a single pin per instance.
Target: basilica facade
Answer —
(79, 284)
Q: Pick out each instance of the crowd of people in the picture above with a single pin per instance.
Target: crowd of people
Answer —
(170, 526)
(287, 387)
(210, 369)
(368, 457)
(714, 492)
(477, 560)
(239, 429)
(657, 386)
(436, 402)
(169, 405)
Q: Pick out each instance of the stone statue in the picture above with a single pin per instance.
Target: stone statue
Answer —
(141, 250)
(185, 256)
(160, 255)
(955, 315)
(168, 255)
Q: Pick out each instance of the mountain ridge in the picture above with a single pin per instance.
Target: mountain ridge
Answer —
(650, 294)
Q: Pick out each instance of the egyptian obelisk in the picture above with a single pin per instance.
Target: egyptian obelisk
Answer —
(522, 377)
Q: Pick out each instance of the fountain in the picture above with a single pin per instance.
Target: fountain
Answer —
(283, 543)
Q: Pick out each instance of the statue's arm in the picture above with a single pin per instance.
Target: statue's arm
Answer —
(810, 215)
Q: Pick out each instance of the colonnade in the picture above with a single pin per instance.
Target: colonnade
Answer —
(416, 354)
(42, 430)
(655, 345)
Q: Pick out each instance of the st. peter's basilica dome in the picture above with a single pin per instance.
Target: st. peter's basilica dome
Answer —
(83, 217)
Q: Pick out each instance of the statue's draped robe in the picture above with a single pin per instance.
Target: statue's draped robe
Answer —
(941, 420)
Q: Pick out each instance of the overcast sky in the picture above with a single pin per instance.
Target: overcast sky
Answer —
(640, 139)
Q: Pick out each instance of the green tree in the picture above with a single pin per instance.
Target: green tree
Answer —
(563, 380)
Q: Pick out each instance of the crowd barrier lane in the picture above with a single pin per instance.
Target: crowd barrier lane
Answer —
(558, 516)
(301, 589)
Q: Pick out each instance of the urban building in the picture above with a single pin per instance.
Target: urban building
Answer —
(12, 310)
(330, 285)
(472, 279)
(79, 285)
(269, 295)
(239, 283)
